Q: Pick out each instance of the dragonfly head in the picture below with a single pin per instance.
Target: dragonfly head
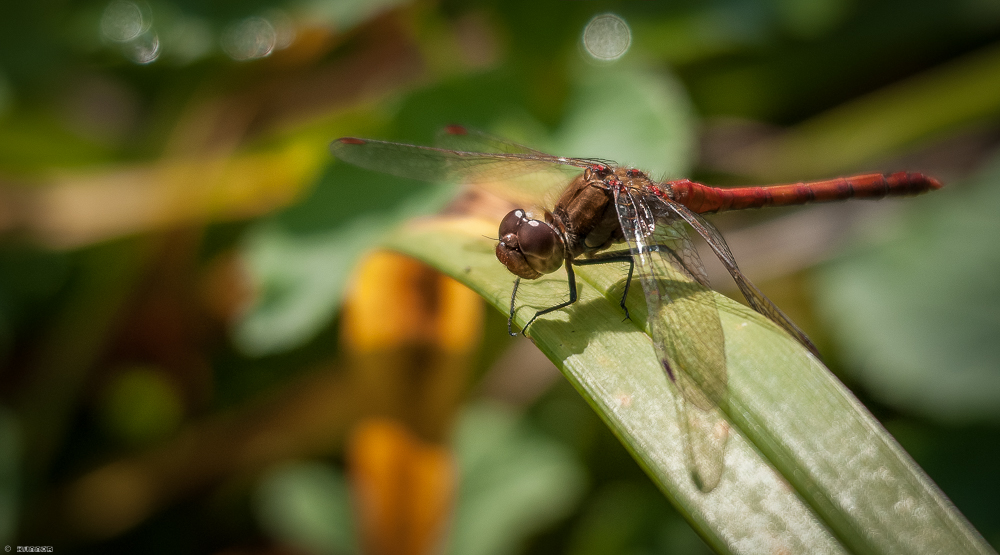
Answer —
(529, 248)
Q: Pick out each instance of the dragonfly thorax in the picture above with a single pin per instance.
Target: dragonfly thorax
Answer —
(582, 222)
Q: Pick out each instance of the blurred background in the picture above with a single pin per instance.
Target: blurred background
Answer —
(202, 350)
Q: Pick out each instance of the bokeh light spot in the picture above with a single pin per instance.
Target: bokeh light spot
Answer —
(284, 28)
(143, 49)
(607, 37)
(249, 39)
(122, 21)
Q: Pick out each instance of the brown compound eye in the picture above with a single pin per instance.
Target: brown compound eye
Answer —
(512, 221)
(528, 248)
(537, 239)
(540, 245)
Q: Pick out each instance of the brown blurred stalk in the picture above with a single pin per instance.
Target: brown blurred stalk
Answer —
(936, 103)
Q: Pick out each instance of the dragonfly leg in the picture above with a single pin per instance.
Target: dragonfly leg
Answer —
(620, 256)
(510, 319)
(571, 276)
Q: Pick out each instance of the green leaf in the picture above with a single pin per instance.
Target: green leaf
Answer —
(307, 504)
(515, 482)
(635, 117)
(807, 468)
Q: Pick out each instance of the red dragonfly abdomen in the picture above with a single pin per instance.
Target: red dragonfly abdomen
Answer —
(702, 199)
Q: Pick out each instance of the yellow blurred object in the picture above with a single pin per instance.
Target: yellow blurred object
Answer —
(76, 210)
(397, 300)
(403, 489)
(411, 334)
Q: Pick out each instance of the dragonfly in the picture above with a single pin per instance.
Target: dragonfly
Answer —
(602, 205)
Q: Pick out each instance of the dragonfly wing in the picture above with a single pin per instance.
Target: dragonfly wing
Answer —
(683, 324)
(755, 298)
(523, 177)
(683, 316)
(707, 434)
(458, 137)
(540, 188)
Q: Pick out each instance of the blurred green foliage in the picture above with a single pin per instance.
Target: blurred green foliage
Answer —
(138, 306)
(141, 406)
(937, 366)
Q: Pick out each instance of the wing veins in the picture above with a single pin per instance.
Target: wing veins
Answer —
(755, 298)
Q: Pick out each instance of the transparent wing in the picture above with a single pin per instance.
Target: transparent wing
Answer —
(755, 298)
(540, 189)
(523, 176)
(459, 137)
(683, 324)
(683, 316)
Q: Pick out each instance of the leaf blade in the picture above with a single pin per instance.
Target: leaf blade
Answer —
(788, 483)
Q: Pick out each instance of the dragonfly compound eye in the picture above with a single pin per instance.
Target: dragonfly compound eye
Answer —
(540, 245)
(512, 222)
